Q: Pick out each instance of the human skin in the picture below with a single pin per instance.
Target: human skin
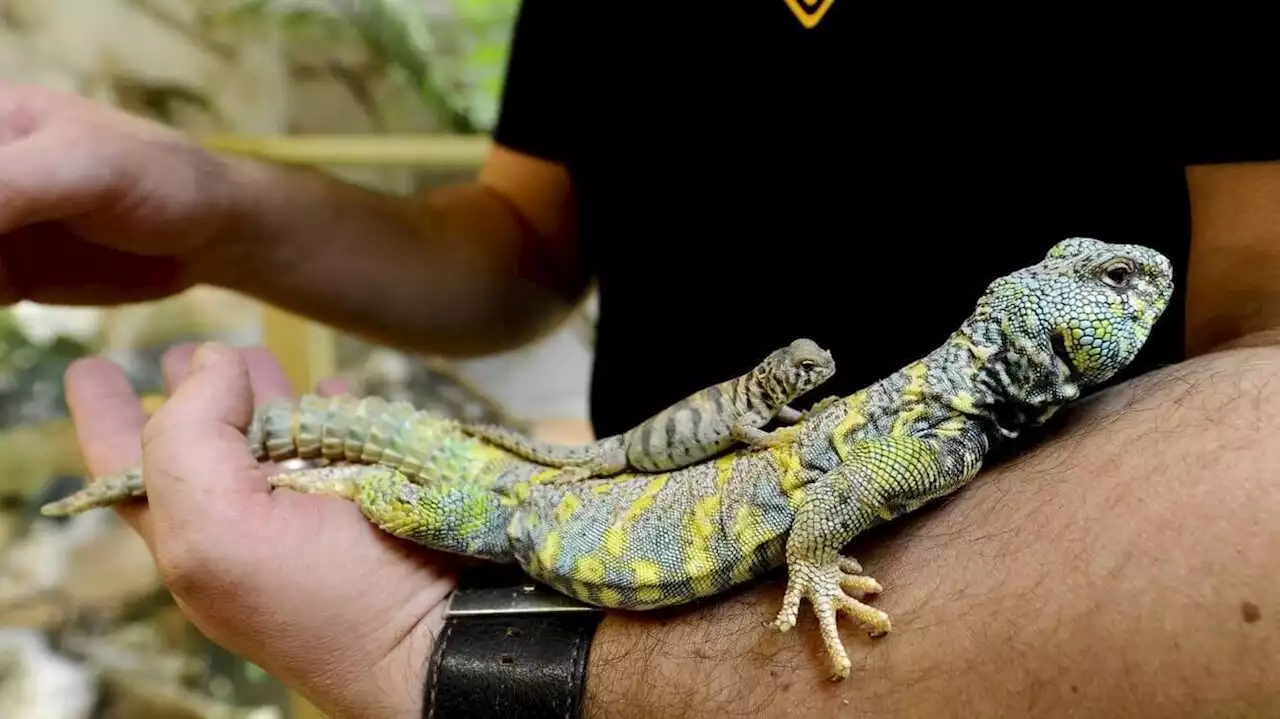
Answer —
(281, 578)
(98, 207)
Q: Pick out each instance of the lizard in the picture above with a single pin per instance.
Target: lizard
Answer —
(697, 427)
(1037, 338)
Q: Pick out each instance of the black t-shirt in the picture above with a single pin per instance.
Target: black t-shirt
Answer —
(744, 181)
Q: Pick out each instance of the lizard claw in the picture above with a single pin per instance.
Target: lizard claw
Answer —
(831, 588)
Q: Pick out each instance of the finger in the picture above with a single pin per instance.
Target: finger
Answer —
(108, 419)
(267, 377)
(197, 462)
(332, 387)
(175, 363)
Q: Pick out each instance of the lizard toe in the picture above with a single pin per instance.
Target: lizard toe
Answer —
(828, 587)
(854, 582)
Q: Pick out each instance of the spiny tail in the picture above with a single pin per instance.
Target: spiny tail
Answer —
(548, 453)
(338, 429)
(105, 492)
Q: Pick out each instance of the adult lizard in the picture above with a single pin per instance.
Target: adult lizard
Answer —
(698, 427)
(1037, 338)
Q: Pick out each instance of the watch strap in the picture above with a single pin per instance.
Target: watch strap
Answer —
(510, 650)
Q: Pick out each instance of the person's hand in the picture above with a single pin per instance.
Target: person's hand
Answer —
(98, 206)
(300, 584)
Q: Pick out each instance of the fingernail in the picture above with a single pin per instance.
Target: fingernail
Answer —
(205, 355)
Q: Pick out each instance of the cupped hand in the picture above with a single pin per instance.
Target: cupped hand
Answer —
(300, 584)
(98, 206)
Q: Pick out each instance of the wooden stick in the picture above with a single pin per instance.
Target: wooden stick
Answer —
(434, 151)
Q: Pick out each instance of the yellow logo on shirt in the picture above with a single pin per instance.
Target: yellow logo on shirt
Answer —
(809, 12)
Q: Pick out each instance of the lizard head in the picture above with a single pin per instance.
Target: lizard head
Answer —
(1088, 303)
(793, 370)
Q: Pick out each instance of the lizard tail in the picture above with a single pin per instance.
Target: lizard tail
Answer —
(338, 429)
(548, 453)
(105, 491)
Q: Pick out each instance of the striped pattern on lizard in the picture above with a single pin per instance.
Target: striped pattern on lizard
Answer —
(1037, 337)
(698, 427)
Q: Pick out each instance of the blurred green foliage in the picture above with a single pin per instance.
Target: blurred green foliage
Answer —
(452, 52)
(31, 373)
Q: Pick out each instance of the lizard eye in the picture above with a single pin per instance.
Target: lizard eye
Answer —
(1118, 273)
(807, 364)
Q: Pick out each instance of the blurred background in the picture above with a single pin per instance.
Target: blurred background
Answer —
(396, 95)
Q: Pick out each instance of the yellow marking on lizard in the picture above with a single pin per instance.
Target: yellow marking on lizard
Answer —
(912, 398)
(793, 480)
(980, 354)
(785, 435)
(614, 541)
(646, 572)
(649, 595)
(550, 549)
(745, 527)
(952, 427)
(475, 515)
(853, 420)
(610, 597)
(568, 505)
(521, 490)
(645, 500)
(589, 569)
(962, 401)
(724, 470)
(703, 525)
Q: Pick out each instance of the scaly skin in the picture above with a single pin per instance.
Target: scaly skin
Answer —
(696, 428)
(639, 541)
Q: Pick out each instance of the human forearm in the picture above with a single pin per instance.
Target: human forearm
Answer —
(1118, 569)
(455, 271)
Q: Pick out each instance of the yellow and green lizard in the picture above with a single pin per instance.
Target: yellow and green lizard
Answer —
(698, 427)
(637, 541)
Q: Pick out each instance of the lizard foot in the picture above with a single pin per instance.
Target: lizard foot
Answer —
(336, 480)
(779, 436)
(821, 405)
(831, 588)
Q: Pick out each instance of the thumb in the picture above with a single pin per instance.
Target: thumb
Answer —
(195, 457)
(41, 180)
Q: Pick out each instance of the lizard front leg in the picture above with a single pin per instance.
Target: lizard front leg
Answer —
(883, 478)
(748, 431)
(789, 415)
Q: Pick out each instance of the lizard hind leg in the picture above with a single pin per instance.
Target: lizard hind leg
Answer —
(883, 478)
(456, 517)
(338, 480)
(837, 507)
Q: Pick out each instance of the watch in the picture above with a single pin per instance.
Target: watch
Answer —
(509, 647)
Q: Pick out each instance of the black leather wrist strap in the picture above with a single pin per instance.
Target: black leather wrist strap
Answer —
(509, 648)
